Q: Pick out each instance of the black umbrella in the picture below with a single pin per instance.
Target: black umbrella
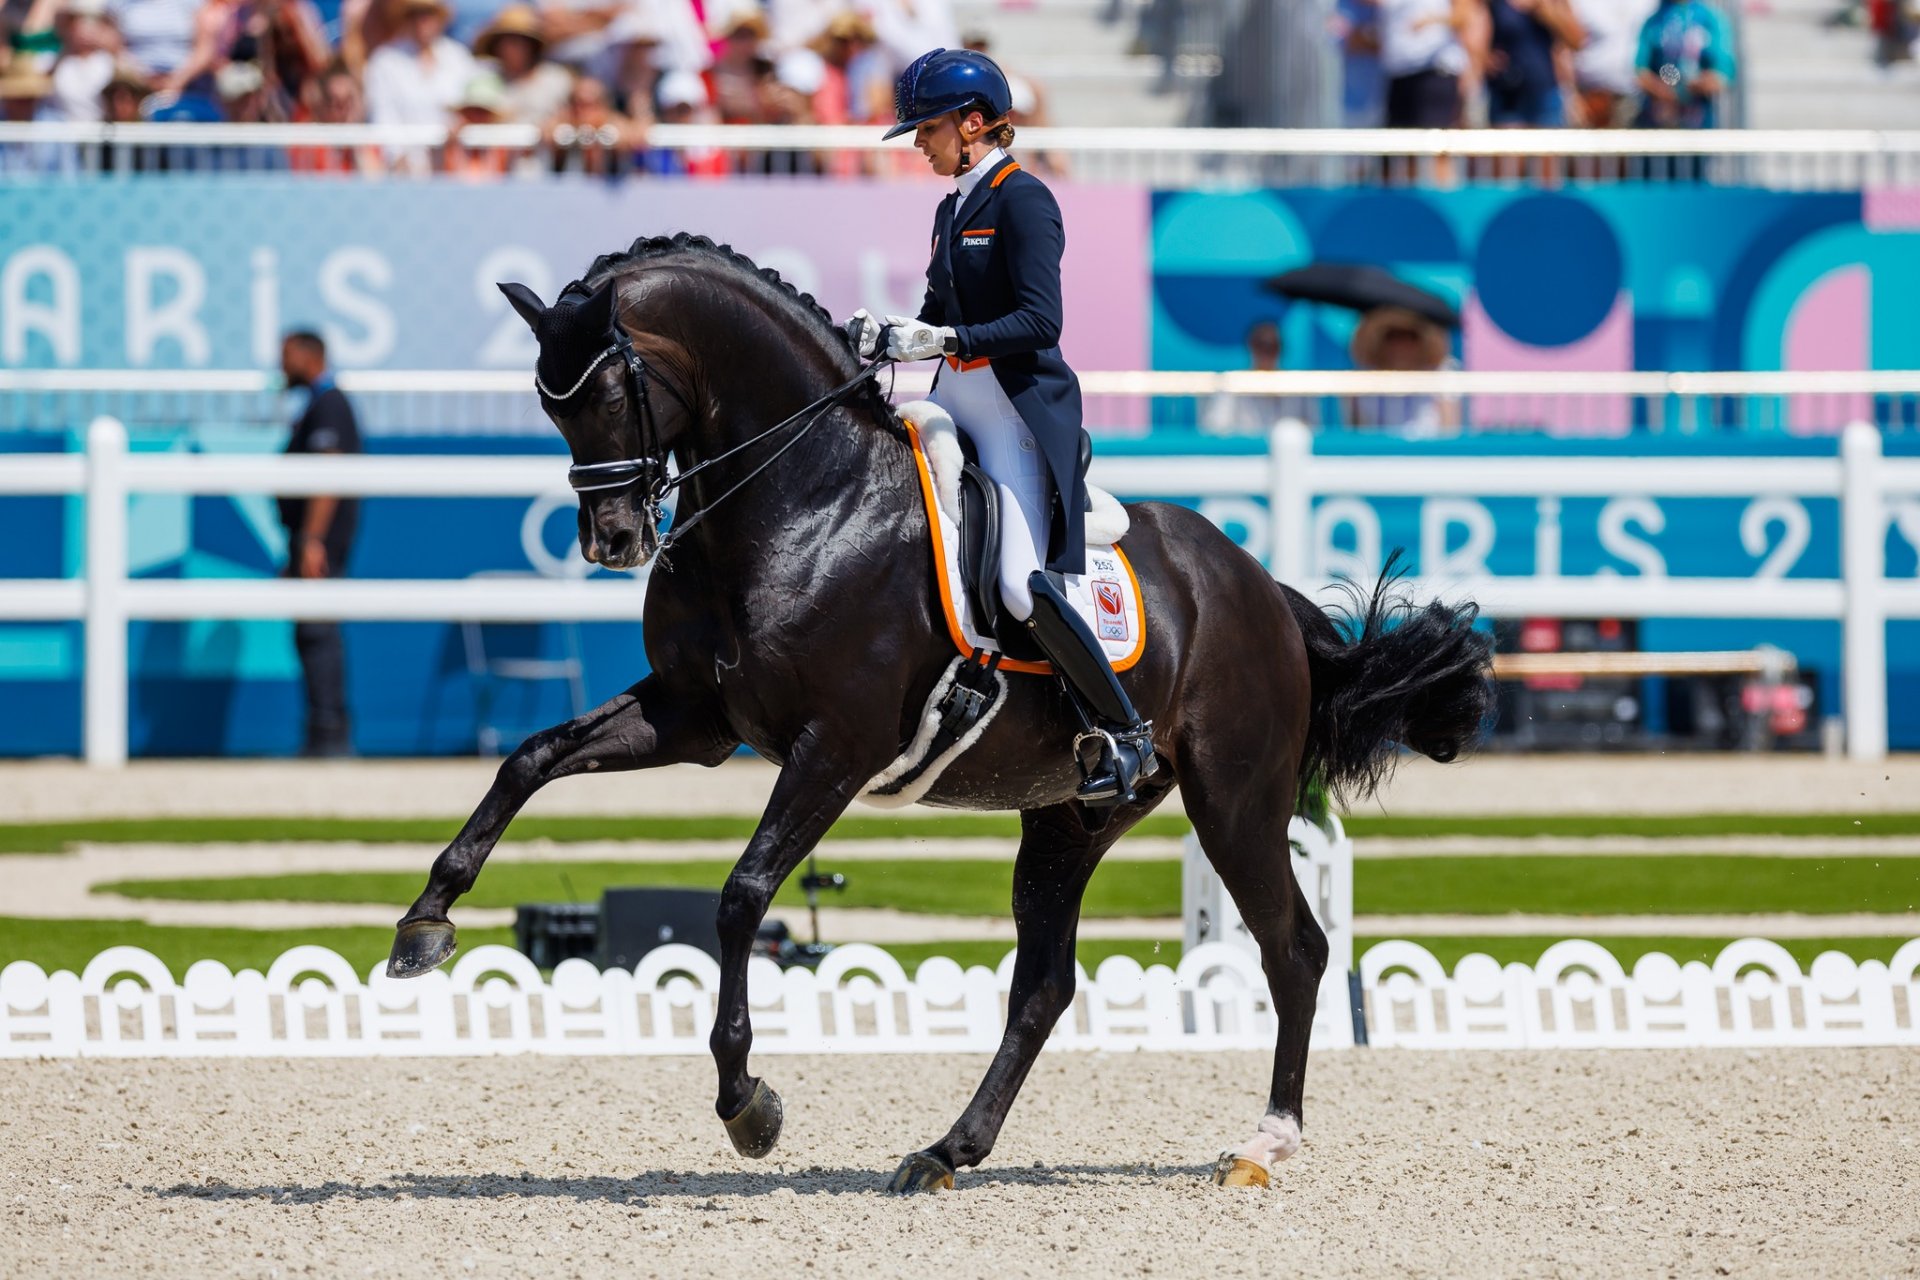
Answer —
(1362, 287)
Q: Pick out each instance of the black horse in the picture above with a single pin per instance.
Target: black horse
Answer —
(799, 616)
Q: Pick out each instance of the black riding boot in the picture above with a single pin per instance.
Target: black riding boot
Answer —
(1126, 741)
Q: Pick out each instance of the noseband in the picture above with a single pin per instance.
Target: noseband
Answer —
(651, 465)
(649, 468)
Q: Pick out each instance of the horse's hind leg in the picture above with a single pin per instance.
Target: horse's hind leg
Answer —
(1241, 818)
(647, 725)
(1057, 857)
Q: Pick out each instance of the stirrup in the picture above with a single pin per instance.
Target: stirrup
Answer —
(1118, 771)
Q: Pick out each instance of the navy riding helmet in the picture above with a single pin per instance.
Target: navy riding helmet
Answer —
(948, 80)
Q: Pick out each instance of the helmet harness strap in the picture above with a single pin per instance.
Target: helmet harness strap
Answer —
(966, 144)
(966, 147)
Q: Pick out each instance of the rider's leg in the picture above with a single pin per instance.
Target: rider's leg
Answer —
(1010, 455)
(1127, 750)
(1023, 523)
(1035, 598)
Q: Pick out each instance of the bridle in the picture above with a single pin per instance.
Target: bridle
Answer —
(649, 467)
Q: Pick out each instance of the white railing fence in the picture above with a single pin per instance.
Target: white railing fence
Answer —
(1862, 599)
(1794, 159)
(426, 402)
(1290, 479)
(311, 1003)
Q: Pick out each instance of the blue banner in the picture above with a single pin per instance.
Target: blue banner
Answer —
(216, 687)
(223, 687)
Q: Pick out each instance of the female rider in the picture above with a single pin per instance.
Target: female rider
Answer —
(992, 312)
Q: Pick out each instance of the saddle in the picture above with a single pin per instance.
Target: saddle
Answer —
(963, 506)
(963, 518)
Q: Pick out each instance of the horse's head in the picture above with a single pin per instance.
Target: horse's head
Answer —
(601, 396)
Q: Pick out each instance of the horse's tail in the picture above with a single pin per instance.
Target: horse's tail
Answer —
(1408, 676)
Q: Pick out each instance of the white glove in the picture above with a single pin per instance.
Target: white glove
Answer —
(910, 339)
(864, 330)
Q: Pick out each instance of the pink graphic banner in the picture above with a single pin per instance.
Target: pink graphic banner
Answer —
(401, 275)
(860, 243)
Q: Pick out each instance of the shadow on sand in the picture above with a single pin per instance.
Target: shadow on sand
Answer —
(645, 1186)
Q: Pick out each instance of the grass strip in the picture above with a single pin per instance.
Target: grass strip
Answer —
(52, 837)
(967, 887)
(1670, 884)
(1091, 952)
(1654, 884)
(70, 944)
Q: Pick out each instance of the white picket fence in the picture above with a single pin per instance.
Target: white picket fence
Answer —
(310, 1003)
(1579, 997)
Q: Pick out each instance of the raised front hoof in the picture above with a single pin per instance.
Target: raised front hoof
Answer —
(921, 1171)
(1232, 1170)
(755, 1130)
(420, 946)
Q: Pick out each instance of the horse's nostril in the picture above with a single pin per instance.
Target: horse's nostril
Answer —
(618, 546)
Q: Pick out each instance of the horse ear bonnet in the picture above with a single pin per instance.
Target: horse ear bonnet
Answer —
(525, 302)
(573, 331)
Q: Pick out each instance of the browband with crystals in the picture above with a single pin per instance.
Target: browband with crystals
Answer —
(564, 396)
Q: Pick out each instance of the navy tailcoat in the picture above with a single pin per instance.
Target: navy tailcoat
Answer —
(995, 280)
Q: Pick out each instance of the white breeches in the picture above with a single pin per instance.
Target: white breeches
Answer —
(1011, 457)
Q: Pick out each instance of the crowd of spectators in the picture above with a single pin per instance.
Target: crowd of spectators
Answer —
(1895, 25)
(1597, 64)
(591, 75)
(1387, 339)
(594, 75)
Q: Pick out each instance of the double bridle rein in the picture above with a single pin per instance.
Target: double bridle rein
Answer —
(649, 468)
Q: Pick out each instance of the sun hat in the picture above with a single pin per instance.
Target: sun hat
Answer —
(405, 8)
(128, 75)
(850, 24)
(19, 82)
(747, 21)
(683, 89)
(1377, 325)
(514, 20)
(238, 79)
(801, 70)
(636, 25)
(484, 92)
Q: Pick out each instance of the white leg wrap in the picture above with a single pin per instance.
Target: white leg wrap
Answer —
(1277, 1138)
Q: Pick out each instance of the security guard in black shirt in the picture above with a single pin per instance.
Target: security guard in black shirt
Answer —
(320, 533)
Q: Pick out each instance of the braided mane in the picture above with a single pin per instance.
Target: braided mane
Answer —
(802, 307)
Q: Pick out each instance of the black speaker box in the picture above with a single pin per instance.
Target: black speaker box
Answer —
(549, 932)
(635, 921)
